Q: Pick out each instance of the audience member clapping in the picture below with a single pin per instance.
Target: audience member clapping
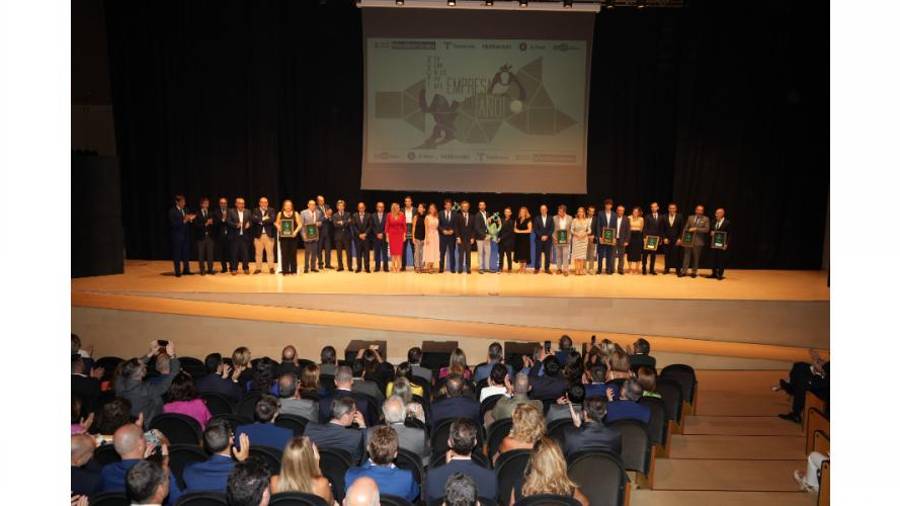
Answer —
(146, 398)
(212, 474)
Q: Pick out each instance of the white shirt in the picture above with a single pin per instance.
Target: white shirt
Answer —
(544, 220)
(608, 218)
(619, 225)
(408, 213)
(671, 220)
(719, 223)
(491, 390)
(241, 221)
(562, 222)
(265, 216)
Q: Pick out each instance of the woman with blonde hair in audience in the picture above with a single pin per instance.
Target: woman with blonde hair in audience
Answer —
(527, 429)
(457, 366)
(300, 471)
(619, 366)
(401, 387)
(646, 378)
(546, 473)
(241, 362)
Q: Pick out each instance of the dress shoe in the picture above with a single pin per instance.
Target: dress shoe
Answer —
(271, 271)
(710, 276)
(368, 271)
(211, 273)
(377, 269)
(653, 273)
(177, 274)
(358, 271)
(680, 274)
(693, 274)
(203, 273)
(720, 277)
(330, 268)
(234, 273)
(305, 271)
(537, 271)
(257, 271)
(340, 269)
(247, 272)
(315, 270)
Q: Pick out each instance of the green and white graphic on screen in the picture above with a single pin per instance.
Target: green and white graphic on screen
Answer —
(475, 102)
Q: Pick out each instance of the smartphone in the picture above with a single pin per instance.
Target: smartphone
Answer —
(546, 346)
(162, 343)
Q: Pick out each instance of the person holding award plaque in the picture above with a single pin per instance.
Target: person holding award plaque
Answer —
(652, 227)
(395, 230)
(718, 246)
(581, 240)
(562, 238)
(523, 239)
(287, 223)
(693, 238)
(310, 221)
(604, 231)
(634, 246)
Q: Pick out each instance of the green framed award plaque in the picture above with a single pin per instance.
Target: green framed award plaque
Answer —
(651, 242)
(608, 236)
(312, 232)
(562, 236)
(287, 228)
(687, 238)
(719, 240)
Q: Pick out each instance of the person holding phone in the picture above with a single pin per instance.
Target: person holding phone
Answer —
(146, 397)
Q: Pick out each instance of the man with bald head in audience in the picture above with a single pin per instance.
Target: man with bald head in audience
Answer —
(413, 439)
(131, 446)
(518, 394)
(86, 478)
(363, 492)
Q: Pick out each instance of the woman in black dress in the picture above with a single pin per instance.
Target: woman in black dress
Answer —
(418, 226)
(523, 238)
(506, 239)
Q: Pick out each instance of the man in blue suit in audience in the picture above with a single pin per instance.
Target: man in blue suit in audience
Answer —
(132, 447)
(456, 405)
(383, 448)
(590, 433)
(626, 405)
(463, 438)
(263, 432)
(338, 432)
(212, 475)
(343, 387)
(218, 379)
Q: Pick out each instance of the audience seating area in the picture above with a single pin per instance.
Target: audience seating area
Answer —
(655, 456)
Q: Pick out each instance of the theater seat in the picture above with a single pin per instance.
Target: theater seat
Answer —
(510, 470)
(270, 456)
(637, 450)
(392, 500)
(497, 432)
(201, 499)
(296, 499)
(109, 499)
(601, 477)
(217, 404)
(181, 456)
(548, 500)
(178, 428)
(293, 422)
(334, 464)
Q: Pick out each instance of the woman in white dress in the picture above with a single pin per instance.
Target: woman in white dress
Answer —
(432, 239)
(581, 229)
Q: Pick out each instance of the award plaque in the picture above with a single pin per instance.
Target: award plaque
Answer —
(651, 242)
(409, 229)
(287, 228)
(312, 233)
(719, 240)
(687, 238)
(608, 236)
(562, 236)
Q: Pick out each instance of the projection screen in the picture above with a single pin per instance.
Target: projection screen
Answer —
(487, 101)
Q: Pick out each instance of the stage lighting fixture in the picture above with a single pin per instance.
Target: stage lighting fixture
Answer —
(399, 2)
(609, 4)
(523, 3)
(640, 4)
(567, 4)
(451, 3)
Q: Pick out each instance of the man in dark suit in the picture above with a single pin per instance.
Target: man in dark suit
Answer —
(205, 237)
(131, 446)
(719, 255)
(551, 385)
(462, 441)
(447, 231)
(361, 228)
(409, 212)
(263, 432)
(699, 225)
(465, 237)
(338, 431)
(456, 404)
(86, 479)
(343, 387)
(652, 226)
(815, 377)
(87, 388)
(340, 223)
(671, 227)
(380, 244)
(626, 406)
(605, 218)
(212, 474)
(589, 433)
(218, 379)
(264, 237)
(239, 234)
(640, 356)
(220, 227)
(325, 233)
(180, 236)
(543, 231)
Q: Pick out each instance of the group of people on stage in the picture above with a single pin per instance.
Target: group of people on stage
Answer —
(447, 236)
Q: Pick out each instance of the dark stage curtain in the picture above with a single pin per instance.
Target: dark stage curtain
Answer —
(718, 103)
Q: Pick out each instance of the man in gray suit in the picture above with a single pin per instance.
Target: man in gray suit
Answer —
(699, 225)
(623, 234)
(562, 222)
(310, 216)
(291, 403)
(413, 439)
(338, 433)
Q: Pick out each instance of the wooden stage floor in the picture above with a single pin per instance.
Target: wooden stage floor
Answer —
(752, 319)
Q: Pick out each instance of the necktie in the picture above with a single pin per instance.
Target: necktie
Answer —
(466, 220)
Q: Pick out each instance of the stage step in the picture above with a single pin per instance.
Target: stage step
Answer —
(736, 447)
(695, 498)
(748, 394)
(740, 426)
(727, 475)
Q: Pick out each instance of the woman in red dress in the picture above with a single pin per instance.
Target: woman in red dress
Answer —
(396, 232)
